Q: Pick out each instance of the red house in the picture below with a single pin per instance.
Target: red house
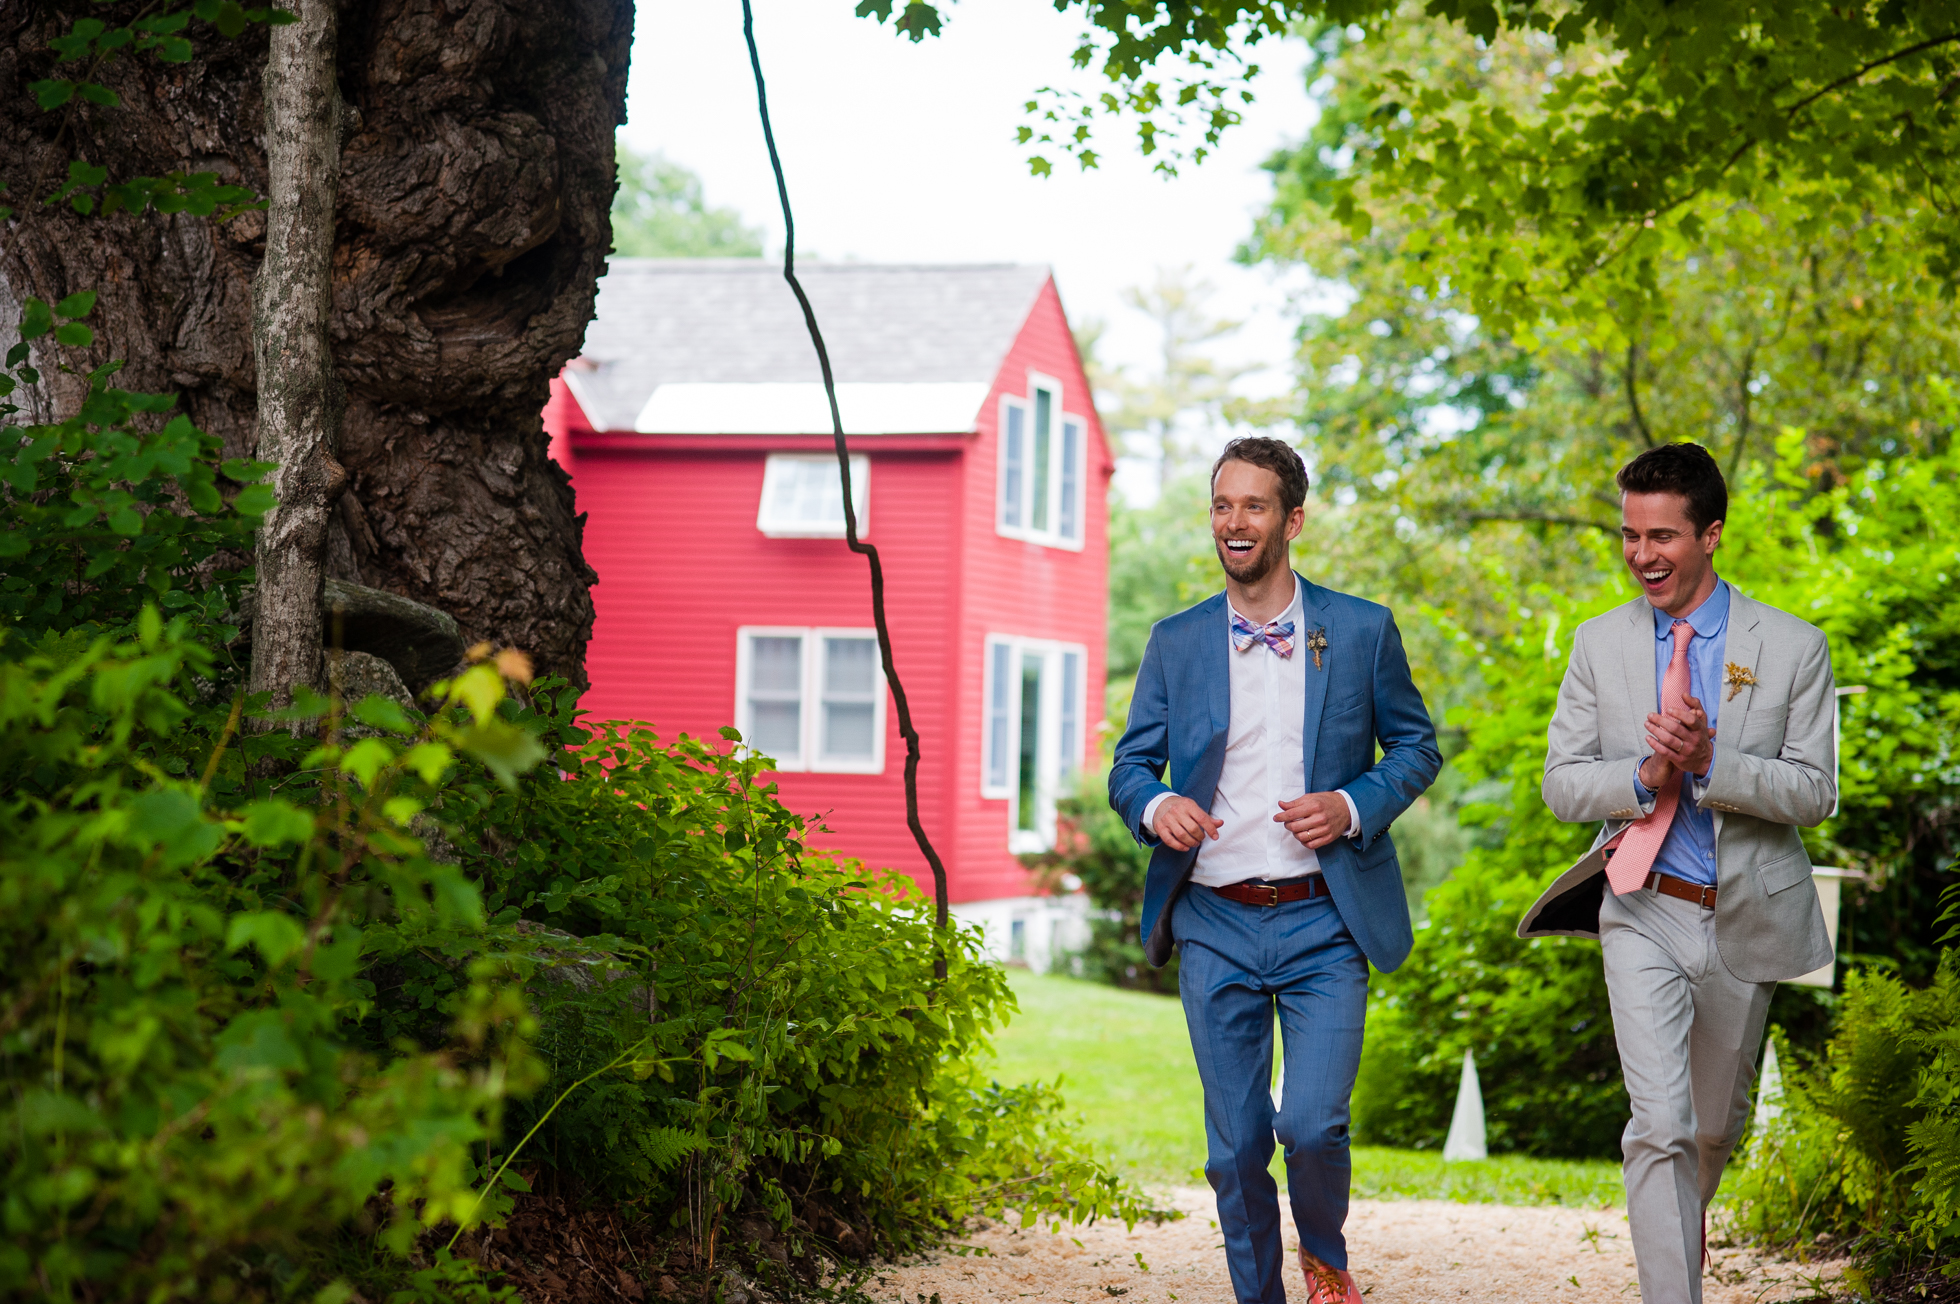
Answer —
(697, 434)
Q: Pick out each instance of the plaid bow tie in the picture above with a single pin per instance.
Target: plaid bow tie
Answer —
(1277, 635)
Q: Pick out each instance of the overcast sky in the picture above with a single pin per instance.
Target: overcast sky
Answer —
(900, 152)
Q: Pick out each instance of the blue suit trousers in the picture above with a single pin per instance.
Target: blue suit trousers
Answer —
(1238, 964)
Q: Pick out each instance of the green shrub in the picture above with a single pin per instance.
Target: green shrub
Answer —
(1864, 1141)
(1094, 846)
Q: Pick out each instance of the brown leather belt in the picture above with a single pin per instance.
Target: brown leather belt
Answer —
(1668, 885)
(1271, 894)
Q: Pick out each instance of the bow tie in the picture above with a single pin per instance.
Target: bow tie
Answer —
(1276, 634)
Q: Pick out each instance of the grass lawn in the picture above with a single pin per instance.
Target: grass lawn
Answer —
(1126, 1068)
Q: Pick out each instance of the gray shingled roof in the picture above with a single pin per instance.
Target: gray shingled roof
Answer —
(734, 320)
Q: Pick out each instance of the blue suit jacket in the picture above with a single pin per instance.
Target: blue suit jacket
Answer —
(1361, 695)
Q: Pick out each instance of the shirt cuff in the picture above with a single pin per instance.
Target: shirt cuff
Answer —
(1641, 790)
(1699, 788)
(1150, 812)
(1354, 815)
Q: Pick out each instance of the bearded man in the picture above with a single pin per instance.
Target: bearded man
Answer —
(1273, 872)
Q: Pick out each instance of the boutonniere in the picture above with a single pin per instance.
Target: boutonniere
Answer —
(1739, 678)
(1317, 643)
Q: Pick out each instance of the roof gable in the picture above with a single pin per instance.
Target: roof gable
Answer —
(734, 322)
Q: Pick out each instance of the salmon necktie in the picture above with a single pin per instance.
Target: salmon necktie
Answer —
(1635, 846)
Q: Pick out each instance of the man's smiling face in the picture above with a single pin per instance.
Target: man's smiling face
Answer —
(1248, 523)
(1674, 565)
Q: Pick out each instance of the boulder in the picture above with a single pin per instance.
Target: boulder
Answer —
(422, 643)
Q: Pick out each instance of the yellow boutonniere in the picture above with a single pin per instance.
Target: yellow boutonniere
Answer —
(1740, 677)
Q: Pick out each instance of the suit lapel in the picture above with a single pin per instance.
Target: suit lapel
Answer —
(1313, 615)
(1637, 652)
(1743, 647)
(1216, 658)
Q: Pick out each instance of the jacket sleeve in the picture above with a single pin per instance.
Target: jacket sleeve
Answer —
(1136, 774)
(1580, 784)
(1409, 759)
(1798, 785)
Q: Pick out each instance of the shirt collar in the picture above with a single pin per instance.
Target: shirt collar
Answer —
(1708, 620)
(1294, 609)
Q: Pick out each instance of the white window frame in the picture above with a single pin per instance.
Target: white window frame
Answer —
(1021, 503)
(860, 497)
(810, 716)
(1057, 755)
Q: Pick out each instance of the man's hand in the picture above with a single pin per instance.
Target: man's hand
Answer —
(1315, 819)
(1183, 824)
(1681, 741)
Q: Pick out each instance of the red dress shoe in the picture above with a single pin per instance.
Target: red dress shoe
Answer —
(1328, 1285)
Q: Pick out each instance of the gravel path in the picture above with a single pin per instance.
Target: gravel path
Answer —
(1403, 1252)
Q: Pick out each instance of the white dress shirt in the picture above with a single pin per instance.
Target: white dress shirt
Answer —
(1265, 764)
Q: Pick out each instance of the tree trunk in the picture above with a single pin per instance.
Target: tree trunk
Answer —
(299, 401)
(471, 226)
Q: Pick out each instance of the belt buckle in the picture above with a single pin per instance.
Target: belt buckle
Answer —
(1706, 893)
(1269, 887)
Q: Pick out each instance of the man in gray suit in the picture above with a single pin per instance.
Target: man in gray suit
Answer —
(1711, 902)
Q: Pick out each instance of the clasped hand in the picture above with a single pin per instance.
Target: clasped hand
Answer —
(1682, 741)
(1315, 819)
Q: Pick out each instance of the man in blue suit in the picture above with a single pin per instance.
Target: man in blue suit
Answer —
(1273, 869)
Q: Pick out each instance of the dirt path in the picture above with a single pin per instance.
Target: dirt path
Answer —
(1404, 1252)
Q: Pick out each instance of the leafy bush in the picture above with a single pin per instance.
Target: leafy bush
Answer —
(1868, 1140)
(1093, 845)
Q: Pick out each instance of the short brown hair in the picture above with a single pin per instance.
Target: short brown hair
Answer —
(1275, 455)
(1685, 469)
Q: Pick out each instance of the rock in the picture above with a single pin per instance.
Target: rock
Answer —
(355, 675)
(420, 642)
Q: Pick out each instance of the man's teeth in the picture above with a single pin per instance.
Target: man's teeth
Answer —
(1655, 577)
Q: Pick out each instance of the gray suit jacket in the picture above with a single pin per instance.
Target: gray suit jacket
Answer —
(1773, 773)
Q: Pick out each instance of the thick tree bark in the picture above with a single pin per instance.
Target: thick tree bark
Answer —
(299, 400)
(475, 180)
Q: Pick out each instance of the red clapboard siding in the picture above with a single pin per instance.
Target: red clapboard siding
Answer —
(671, 531)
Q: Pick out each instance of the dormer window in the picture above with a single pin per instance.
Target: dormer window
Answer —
(1041, 467)
(803, 496)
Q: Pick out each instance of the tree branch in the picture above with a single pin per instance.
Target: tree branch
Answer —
(1539, 518)
(1633, 394)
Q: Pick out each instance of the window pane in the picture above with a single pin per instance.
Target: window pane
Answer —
(997, 716)
(777, 729)
(776, 666)
(1071, 722)
(1013, 462)
(847, 731)
(805, 494)
(1027, 784)
(1067, 525)
(1044, 404)
(850, 667)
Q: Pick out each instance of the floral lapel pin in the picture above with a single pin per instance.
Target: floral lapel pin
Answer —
(1739, 678)
(1317, 643)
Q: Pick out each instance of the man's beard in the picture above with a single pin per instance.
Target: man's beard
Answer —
(1264, 560)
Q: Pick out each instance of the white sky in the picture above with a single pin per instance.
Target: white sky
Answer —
(897, 152)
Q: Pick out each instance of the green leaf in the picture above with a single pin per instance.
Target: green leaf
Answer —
(51, 94)
(382, 713)
(507, 749)
(74, 335)
(35, 321)
(429, 760)
(79, 304)
(514, 1180)
(273, 933)
(365, 759)
(95, 94)
(168, 821)
(274, 821)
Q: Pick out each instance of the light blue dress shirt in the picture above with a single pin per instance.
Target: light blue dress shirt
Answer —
(1689, 849)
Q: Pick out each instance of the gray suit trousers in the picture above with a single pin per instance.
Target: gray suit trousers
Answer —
(1688, 1033)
